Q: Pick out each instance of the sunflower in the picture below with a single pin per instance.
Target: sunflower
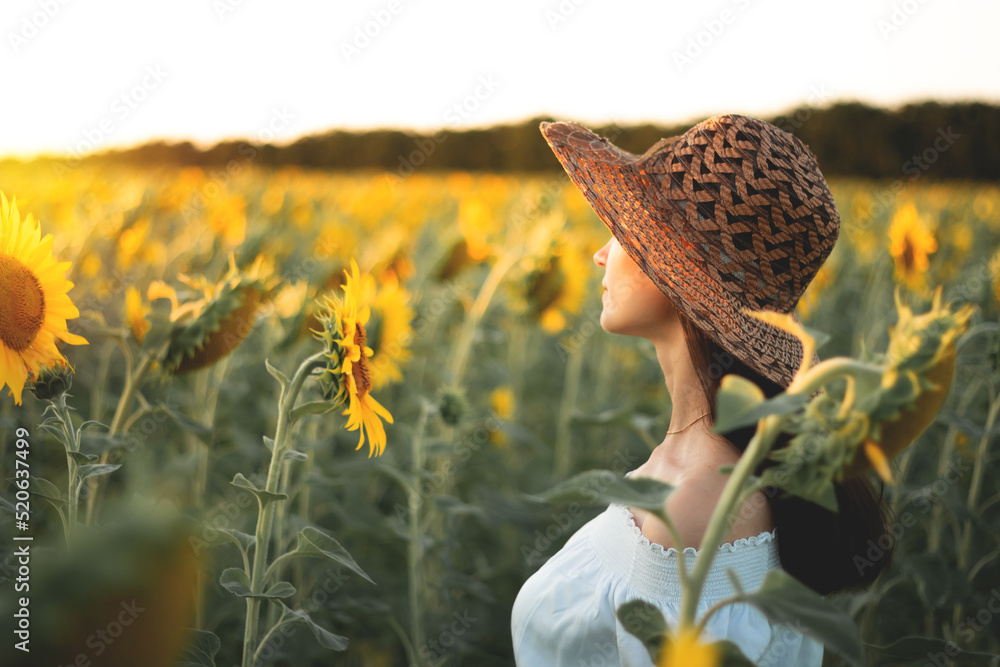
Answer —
(350, 370)
(135, 313)
(34, 304)
(557, 290)
(910, 243)
(684, 650)
(207, 328)
(391, 340)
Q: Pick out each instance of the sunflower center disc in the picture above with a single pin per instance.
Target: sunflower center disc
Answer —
(22, 304)
(359, 369)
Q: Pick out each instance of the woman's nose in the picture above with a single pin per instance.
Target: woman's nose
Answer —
(601, 256)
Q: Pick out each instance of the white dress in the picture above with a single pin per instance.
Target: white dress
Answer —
(564, 615)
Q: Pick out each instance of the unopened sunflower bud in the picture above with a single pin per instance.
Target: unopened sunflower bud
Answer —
(452, 406)
(51, 382)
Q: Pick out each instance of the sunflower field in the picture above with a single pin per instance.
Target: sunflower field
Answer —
(292, 417)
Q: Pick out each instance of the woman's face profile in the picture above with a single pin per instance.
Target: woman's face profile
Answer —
(633, 304)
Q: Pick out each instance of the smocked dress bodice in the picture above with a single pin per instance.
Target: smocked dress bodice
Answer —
(564, 615)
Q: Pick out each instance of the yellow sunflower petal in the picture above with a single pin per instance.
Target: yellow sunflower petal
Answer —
(34, 306)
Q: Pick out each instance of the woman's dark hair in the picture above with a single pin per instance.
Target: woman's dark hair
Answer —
(824, 550)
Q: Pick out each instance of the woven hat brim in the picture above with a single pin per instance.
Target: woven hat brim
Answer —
(610, 180)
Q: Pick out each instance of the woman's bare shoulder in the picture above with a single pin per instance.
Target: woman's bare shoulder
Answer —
(696, 493)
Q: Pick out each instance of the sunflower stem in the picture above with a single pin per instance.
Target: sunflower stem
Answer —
(718, 526)
(805, 383)
(72, 485)
(457, 367)
(571, 391)
(973, 499)
(266, 513)
(133, 382)
(414, 551)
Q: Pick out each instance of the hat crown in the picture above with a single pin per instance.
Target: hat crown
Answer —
(733, 215)
(751, 203)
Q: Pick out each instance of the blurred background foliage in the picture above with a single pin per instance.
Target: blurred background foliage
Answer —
(497, 267)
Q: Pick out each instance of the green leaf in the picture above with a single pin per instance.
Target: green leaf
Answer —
(786, 601)
(97, 470)
(281, 589)
(456, 507)
(741, 403)
(185, 422)
(645, 622)
(46, 489)
(730, 655)
(5, 505)
(326, 638)
(276, 374)
(200, 650)
(264, 497)
(269, 443)
(236, 581)
(294, 455)
(239, 538)
(81, 458)
(605, 486)
(313, 542)
(312, 408)
(614, 417)
(820, 338)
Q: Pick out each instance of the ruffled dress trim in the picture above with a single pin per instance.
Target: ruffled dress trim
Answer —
(651, 570)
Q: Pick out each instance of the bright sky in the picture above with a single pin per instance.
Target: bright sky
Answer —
(88, 75)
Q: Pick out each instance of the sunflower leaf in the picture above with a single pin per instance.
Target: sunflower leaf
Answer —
(730, 655)
(200, 650)
(281, 589)
(786, 601)
(264, 497)
(645, 621)
(239, 538)
(294, 455)
(81, 458)
(313, 542)
(312, 408)
(741, 403)
(326, 638)
(185, 422)
(46, 489)
(605, 486)
(97, 470)
(276, 374)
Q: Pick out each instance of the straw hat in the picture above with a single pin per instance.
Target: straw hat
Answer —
(734, 214)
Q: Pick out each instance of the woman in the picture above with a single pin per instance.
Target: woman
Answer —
(732, 215)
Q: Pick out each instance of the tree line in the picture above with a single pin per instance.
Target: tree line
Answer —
(939, 141)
